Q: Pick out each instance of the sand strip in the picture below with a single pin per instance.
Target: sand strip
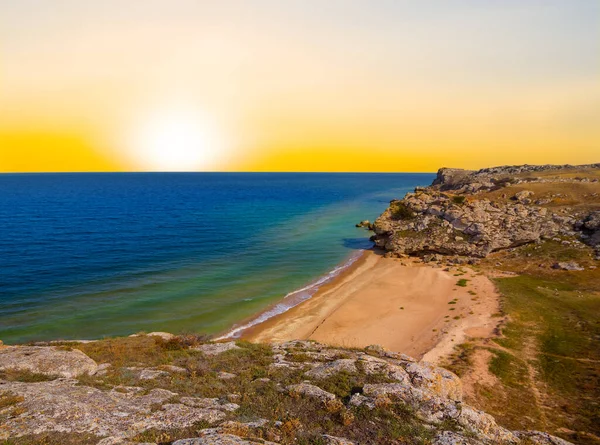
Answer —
(403, 305)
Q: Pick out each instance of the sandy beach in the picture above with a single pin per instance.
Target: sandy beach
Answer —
(401, 304)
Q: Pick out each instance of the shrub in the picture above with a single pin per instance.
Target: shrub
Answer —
(460, 200)
(399, 210)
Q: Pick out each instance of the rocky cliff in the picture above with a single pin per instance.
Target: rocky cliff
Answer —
(471, 214)
(178, 390)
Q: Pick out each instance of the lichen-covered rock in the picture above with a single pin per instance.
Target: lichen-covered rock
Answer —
(221, 439)
(217, 348)
(327, 369)
(427, 405)
(484, 426)
(379, 366)
(63, 405)
(308, 390)
(151, 374)
(47, 360)
(452, 438)
(208, 403)
(438, 380)
(121, 441)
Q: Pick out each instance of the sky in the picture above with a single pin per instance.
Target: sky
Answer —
(297, 85)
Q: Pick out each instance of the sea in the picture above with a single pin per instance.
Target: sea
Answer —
(93, 255)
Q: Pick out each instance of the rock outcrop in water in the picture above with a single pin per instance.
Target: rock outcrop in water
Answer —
(474, 213)
(126, 408)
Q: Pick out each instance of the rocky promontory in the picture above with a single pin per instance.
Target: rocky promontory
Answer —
(471, 214)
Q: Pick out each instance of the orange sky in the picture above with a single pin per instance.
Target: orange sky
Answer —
(336, 85)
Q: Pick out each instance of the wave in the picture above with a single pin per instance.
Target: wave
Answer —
(292, 299)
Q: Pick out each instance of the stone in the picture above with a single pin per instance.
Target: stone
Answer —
(226, 375)
(327, 369)
(221, 439)
(62, 405)
(151, 374)
(102, 369)
(379, 366)
(539, 438)
(571, 265)
(333, 440)
(440, 381)
(208, 403)
(453, 438)
(47, 360)
(523, 195)
(164, 335)
(217, 348)
(174, 369)
(308, 390)
(366, 224)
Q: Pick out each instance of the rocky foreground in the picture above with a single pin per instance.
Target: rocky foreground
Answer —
(58, 394)
(469, 214)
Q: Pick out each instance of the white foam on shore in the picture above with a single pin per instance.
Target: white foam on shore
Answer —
(293, 298)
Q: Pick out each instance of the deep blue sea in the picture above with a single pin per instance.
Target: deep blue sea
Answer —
(91, 255)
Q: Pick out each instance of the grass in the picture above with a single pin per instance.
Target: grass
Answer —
(460, 200)
(547, 358)
(462, 282)
(25, 376)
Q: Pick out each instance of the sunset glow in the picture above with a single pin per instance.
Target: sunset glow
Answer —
(298, 85)
(175, 140)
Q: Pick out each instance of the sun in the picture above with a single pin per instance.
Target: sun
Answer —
(175, 140)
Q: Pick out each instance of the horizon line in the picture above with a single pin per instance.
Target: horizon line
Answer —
(216, 172)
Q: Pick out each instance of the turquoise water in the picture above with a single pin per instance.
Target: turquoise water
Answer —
(92, 255)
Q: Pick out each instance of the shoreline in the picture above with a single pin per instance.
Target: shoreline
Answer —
(290, 300)
(401, 304)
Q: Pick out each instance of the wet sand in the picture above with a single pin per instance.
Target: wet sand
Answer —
(402, 305)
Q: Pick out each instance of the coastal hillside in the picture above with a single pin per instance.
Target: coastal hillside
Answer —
(535, 231)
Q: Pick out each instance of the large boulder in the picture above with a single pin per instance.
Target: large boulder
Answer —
(327, 369)
(449, 178)
(64, 406)
(47, 360)
(440, 381)
(308, 390)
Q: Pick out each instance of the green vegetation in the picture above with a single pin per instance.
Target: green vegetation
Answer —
(460, 200)
(462, 282)
(399, 210)
(547, 359)
(24, 376)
